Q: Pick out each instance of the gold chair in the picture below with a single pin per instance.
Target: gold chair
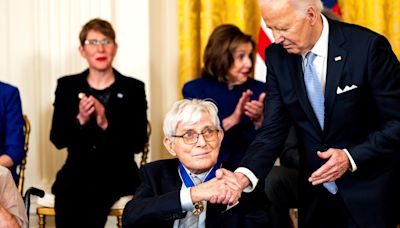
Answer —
(42, 212)
(118, 211)
(22, 166)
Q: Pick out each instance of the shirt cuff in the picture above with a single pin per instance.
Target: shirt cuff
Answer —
(186, 200)
(353, 167)
(253, 179)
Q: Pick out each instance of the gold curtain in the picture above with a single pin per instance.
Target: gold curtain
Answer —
(382, 16)
(196, 21)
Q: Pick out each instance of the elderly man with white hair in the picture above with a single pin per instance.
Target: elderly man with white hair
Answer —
(192, 190)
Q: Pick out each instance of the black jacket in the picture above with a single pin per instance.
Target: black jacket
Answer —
(157, 202)
(100, 161)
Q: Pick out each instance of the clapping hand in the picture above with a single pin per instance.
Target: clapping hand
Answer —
(235, 117)
(89, 105)
(255, 110)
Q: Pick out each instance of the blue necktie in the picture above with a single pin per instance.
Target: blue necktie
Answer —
(317, 100)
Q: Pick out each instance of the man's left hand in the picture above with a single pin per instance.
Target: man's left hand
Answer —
(338, 163)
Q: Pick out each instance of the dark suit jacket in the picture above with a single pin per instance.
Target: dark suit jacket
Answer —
(365, 120)
(99, 162)
(157, 202)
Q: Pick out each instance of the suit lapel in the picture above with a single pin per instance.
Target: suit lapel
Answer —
(335, 63)
(175, 178)
(296, 69)
(116, 91)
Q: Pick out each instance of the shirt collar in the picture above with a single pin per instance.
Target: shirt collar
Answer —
(201, 176)
(321, 47)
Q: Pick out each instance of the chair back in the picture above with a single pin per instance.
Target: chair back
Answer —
(22, 166)
(146, 146)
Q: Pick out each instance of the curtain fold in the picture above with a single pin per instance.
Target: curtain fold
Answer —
(196, 21)
(198, 18)
(382, 16)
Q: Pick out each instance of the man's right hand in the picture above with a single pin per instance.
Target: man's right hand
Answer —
(214, 191)
(243, 180)
(224, 189)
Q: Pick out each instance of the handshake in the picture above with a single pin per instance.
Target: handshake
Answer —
(225, 188)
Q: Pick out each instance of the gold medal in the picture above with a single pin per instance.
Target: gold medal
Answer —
(198, 208)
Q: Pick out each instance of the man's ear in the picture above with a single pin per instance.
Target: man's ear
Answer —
(312, 14)
(168, 143)
(220, 136)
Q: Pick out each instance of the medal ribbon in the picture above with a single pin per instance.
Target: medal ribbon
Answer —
(187, 180)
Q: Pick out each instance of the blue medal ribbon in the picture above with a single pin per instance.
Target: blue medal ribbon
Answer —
(187, 180)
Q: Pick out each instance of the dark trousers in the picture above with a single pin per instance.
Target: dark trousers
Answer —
(81, 211)
(281, 187)
(328, 211)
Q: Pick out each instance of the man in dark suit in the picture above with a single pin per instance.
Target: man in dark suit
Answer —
(349, 148)
(169, 195)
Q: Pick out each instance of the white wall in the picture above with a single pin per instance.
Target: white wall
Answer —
(39, 43)
(163, 67)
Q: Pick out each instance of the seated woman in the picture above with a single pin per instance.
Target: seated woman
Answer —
(100, 117)
(228, 64)
(192, 189)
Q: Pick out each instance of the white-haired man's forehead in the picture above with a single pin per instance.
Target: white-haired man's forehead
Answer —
(191, 115)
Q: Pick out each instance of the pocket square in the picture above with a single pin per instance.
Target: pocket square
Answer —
(346, 89)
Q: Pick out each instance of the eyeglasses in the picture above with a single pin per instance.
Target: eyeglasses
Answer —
(95, 43)
(192, 137)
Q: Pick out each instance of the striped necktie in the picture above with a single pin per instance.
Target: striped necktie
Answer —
(190, 220)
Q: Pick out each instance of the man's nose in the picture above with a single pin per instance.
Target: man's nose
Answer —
(278, 37)
(200, 140)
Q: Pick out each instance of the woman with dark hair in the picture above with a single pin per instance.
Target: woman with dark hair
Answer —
(100, 117)
(228, 64)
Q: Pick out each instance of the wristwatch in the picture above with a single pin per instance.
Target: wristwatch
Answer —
(198, 208)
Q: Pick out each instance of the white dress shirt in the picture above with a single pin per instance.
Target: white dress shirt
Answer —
(186, 200)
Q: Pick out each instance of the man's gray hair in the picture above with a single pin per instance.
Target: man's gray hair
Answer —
(189, 111)
(300, 5)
